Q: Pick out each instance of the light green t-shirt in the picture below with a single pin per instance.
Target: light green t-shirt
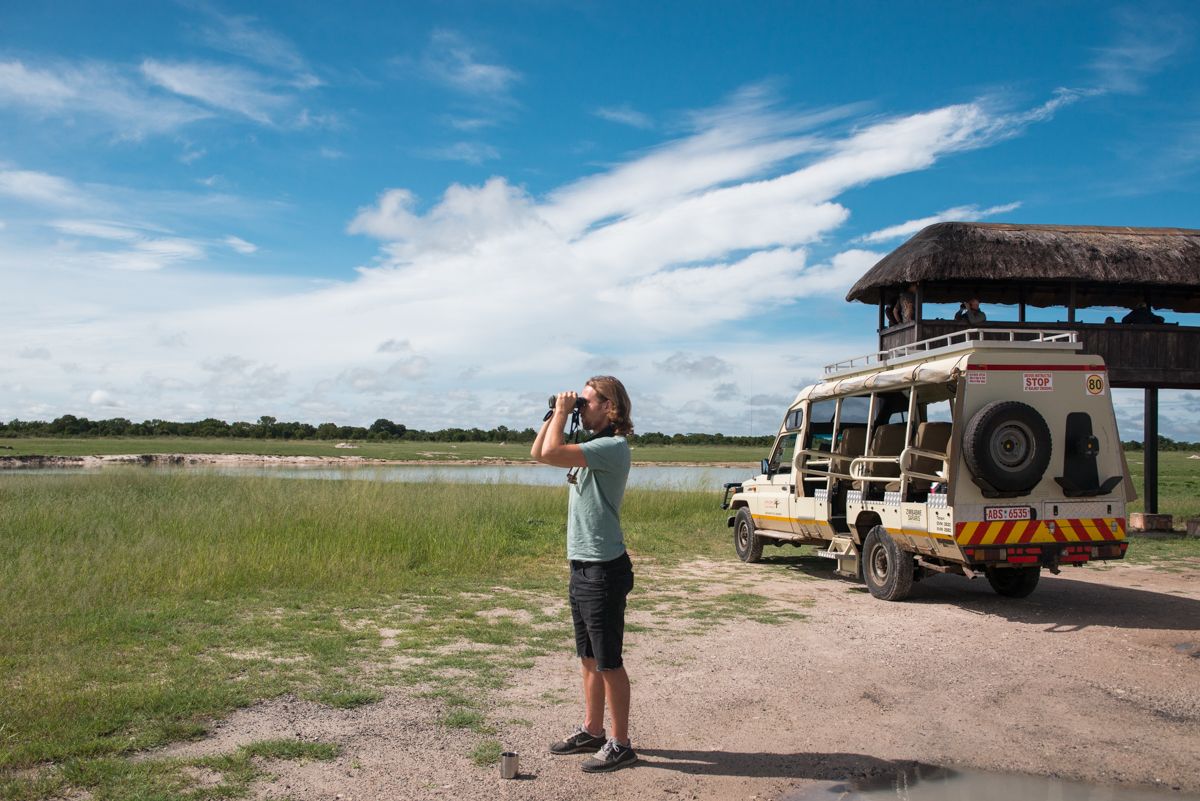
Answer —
(594, 511)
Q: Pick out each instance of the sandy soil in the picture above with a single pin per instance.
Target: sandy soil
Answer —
(1095, 677)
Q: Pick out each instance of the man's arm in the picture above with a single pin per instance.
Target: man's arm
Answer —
(550, 447)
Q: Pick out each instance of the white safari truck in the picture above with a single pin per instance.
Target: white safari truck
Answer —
(989, 452)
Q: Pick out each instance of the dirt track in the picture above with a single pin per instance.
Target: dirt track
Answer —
(1088, 679)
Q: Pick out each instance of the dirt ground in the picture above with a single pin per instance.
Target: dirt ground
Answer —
(1095, 677)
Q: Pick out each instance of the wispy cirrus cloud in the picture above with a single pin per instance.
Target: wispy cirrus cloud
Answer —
(104, 91)
(1146, 43)
(41, 188)
(142, 250)
(219, 86)
(958, 214)
(469, 152)
(244, 36)
(450, 60)
(625, 115)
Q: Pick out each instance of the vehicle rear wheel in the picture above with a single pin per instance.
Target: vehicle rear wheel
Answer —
(1013, 582)
(887, 570)
(745, 541)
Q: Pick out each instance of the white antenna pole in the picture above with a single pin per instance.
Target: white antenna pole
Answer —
(752, 403)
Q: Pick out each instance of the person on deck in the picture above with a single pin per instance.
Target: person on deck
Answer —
(1142, 314)
(969, 313)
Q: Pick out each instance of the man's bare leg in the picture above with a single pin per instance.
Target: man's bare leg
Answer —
(598, 686)
(616, 689)
(593, 697)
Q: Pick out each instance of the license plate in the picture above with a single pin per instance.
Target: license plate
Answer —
(992, 513)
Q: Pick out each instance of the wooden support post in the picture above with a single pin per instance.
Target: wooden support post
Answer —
(1071, 305)
(1150, 452)
(880, 327)
(1021, 307)
(917, 311)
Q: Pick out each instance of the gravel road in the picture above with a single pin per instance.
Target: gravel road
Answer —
(1095, 677)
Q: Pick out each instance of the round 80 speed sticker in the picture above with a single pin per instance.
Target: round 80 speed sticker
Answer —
(1095, 383)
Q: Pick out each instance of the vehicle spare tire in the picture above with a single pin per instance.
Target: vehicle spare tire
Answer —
(1007, 444)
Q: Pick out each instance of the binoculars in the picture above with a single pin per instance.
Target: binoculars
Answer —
(579, 402)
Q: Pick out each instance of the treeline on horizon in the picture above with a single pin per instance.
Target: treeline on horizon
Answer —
(72, 427)
(69, 426)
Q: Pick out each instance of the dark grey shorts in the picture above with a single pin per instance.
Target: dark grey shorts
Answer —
(598, 591)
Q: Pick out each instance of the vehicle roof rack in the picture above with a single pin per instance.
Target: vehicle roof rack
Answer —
(967, 339)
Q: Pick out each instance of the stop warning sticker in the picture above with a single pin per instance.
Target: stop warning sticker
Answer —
(1039, 382)
(1095, 384)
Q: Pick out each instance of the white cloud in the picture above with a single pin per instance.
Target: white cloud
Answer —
(644, 263)
(958, 214)
(105, 399)
(394, 346)
(451, 60)
(625, 115)
(330, 153)
(242, 36)
(219, 86)
(240, 245)
(142, 251)
(414, 367)
(102, 90)
(233, 377)
(606, 365)
(40, 354)
(470, 152)
(726, 392)
(40, 187)
(683, 364)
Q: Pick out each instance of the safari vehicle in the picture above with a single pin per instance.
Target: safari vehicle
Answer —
(986, 452)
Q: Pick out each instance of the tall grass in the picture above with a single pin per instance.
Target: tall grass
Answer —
(132, 602)
(91, 540)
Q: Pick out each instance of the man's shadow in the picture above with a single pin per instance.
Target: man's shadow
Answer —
(866, 772)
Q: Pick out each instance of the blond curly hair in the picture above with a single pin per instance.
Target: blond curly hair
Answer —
(610, 389)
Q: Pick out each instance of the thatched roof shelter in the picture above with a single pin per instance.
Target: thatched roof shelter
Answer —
(1037, 264)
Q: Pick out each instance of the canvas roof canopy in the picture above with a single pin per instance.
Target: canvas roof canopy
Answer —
(1037, 264)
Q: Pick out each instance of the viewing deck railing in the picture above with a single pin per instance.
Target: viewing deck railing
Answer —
(949, 342)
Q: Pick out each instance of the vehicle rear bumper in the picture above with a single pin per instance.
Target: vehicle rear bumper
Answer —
(1043, 554)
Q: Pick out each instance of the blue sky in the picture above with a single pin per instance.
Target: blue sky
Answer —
(439, 213)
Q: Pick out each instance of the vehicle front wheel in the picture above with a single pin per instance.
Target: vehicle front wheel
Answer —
(1013, 582)
(745, 541)
(887, 570)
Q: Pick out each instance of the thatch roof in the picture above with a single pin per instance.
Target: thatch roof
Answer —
(955, 261)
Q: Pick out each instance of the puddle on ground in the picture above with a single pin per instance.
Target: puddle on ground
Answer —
(932, 783)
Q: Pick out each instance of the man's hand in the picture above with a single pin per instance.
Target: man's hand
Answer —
(550, 447)
(566, 403)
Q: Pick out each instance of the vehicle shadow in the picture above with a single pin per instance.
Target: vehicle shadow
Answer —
(859, 768)
(1061, 603)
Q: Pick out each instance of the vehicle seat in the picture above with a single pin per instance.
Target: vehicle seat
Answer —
(930, 437)
(888, 440)
(852, 443)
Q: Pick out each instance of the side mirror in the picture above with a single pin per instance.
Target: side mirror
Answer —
(766, 467)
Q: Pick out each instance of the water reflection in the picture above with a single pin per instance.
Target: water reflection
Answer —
(642, 476)
(933, 783)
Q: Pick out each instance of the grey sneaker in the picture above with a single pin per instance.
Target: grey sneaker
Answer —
(612, 756)
(581, 741)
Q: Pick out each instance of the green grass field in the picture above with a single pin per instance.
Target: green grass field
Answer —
(1178, 484)
(136, 606)
(397, 449)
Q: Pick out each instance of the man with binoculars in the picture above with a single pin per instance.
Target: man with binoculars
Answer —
(601, 573)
